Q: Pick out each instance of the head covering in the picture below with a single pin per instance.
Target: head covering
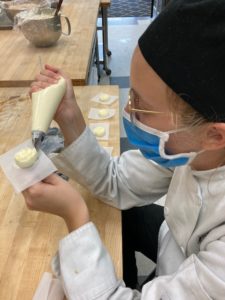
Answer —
(185, 45)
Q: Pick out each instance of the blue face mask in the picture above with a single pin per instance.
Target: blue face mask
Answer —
(151, 143)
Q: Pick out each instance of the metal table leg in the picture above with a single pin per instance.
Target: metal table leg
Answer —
(105, 27)
(152, 8)
(106, 51)
(96, 53)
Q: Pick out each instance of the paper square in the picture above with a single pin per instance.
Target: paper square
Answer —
(24, 178)
(105, 125)
(94, 114)
(111, 100)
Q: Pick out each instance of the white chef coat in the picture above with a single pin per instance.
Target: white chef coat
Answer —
(191, 254)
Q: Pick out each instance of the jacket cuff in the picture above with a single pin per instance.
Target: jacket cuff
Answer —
(76, 161)
(86, 268)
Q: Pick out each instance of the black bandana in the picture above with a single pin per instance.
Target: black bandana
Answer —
(185, 45)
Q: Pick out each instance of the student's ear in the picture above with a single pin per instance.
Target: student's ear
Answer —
(214, 137)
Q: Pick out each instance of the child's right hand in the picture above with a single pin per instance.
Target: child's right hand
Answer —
(68, 114)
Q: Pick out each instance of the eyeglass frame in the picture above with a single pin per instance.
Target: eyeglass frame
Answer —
(132, 110)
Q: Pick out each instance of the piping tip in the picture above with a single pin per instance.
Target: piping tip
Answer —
(37, 138)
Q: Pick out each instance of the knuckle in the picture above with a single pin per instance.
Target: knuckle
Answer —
(33, 85)
(50, 80)
(44, 84)
(37, 77)
(29, 204)
(34, 192)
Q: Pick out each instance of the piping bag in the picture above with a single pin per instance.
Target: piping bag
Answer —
(44, 105)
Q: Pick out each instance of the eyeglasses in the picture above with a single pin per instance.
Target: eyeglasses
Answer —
(133, 104)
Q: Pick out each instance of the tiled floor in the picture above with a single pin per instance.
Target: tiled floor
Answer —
(123, 37)
(127, 8)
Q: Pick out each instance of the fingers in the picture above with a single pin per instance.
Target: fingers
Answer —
(39, 85)
(44, 80)
(51, 68)
(35, 189)
(25, 193)
(55, 196)
(36, 196)
(53, 179)
(39, 188)
(32, 193)
(49, 75)
(34, 89)
(56, 71)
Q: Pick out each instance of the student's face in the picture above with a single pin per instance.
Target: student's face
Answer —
(152, 94)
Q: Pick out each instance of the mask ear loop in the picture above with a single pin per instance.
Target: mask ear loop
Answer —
(162, 146)
(164, 137)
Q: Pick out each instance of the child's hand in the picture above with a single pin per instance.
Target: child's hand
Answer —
(68, 114)
(56, 196)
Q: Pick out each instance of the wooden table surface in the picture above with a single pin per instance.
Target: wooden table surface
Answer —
(29, 239)
(20, 60)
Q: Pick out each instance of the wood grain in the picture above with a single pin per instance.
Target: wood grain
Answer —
(20, 60)
(30, 239)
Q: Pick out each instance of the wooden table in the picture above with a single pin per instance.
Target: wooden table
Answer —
(30, 239)
(20, 60)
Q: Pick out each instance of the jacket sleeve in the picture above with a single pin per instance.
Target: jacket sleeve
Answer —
(125, 181)
(200, 276)
(87, 272)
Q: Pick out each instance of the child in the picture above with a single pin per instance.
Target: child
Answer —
(176, 117)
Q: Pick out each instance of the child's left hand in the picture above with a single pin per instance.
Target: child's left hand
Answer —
(56, 196)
